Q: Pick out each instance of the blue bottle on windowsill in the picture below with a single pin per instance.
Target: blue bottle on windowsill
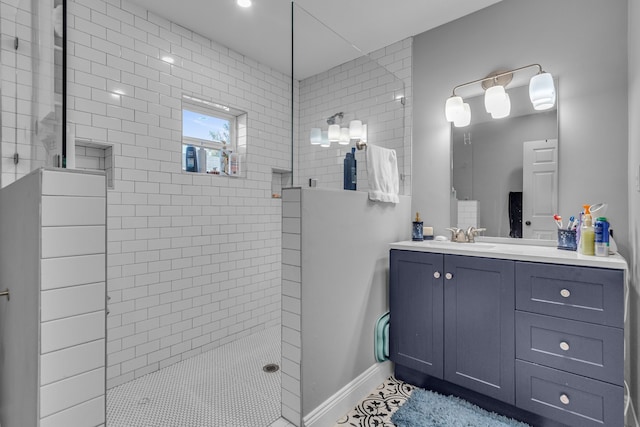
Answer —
(191, 159)
(350, 170)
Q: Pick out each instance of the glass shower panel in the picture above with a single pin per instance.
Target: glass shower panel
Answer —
(353, 86)
(32, 86)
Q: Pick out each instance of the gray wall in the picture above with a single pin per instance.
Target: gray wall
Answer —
(634, 195)
(345, 263)
(583, 44)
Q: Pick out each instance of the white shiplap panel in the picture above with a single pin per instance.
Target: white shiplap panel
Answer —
(73, 184)
(60, 211)
(58, 365)
(70, 241)
(59, 334)
(70, 271)
(70, 392)
(90, 413)
(72, 301)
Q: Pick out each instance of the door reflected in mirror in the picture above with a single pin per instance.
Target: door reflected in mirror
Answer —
(505, 171)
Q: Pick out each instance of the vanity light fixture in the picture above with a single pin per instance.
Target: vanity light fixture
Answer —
(324, 141)
(542, 94)
(357, 131)
(244, 3)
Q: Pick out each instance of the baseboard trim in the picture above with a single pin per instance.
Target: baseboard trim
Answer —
(348, 396)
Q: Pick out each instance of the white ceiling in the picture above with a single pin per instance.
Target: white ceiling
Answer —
(321, 27)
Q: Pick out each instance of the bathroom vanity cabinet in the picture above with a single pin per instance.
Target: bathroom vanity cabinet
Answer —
(453, 318)
(539, 341)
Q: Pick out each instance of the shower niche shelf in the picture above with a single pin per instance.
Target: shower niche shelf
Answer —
(95, 156)
(280, 178)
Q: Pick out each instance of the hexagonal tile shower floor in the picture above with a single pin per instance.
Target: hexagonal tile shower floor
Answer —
(224, 387)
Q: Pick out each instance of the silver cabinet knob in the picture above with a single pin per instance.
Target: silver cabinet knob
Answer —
(436, 274)
(448, 276)
(564, 346)
(565, 293)
(564, 399)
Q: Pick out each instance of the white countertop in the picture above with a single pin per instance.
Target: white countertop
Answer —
(516, 252)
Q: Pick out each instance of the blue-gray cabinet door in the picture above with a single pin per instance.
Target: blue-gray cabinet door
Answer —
(479, 321)
(415, 302)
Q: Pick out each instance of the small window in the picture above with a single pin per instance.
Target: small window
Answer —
(214, 138)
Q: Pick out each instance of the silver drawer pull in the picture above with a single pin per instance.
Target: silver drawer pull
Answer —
(564, 345)
(436, 274)
(564, 399)
(565, 293)
(449, 276)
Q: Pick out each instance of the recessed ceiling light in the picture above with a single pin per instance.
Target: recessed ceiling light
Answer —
(244, 3)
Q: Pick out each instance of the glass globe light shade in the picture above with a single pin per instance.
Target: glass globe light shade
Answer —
(334, 133)
(542, 91)
(325, 139)
(503, 110)
(344, 136)
(315, 136)
(465, 118)
(355, 129)
(494, 98)
(453, 108)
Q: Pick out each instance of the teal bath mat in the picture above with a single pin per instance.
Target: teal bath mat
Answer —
(428, 409)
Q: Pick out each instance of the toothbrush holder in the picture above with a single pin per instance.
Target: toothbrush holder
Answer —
(567, 240)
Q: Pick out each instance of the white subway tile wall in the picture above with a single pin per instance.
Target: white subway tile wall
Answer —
(72, 299)
(368, 89)
(193, 260)
(468, 213)
(291, 305)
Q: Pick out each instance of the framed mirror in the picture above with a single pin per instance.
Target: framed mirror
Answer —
(504, 172)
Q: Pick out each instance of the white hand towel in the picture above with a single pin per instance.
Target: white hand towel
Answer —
(382, 174)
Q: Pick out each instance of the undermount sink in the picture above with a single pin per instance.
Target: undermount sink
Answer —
(457, 245)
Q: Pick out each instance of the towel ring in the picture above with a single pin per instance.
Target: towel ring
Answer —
(361, 145)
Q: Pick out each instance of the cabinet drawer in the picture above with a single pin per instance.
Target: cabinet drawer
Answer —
(583, 348)
(568, 398)
(593, 295)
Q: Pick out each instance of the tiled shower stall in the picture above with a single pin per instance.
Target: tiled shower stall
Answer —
(193, 260)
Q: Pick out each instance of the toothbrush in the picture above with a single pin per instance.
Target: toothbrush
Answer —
(558, 220)
(571, 221)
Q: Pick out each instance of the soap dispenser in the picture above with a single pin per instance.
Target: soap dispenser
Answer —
(416, 232)
(587, 233)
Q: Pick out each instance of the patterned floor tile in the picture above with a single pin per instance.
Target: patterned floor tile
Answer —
(376, 409)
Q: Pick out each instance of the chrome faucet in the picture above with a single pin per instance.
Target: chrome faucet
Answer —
(472, 233)
(460, 236)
